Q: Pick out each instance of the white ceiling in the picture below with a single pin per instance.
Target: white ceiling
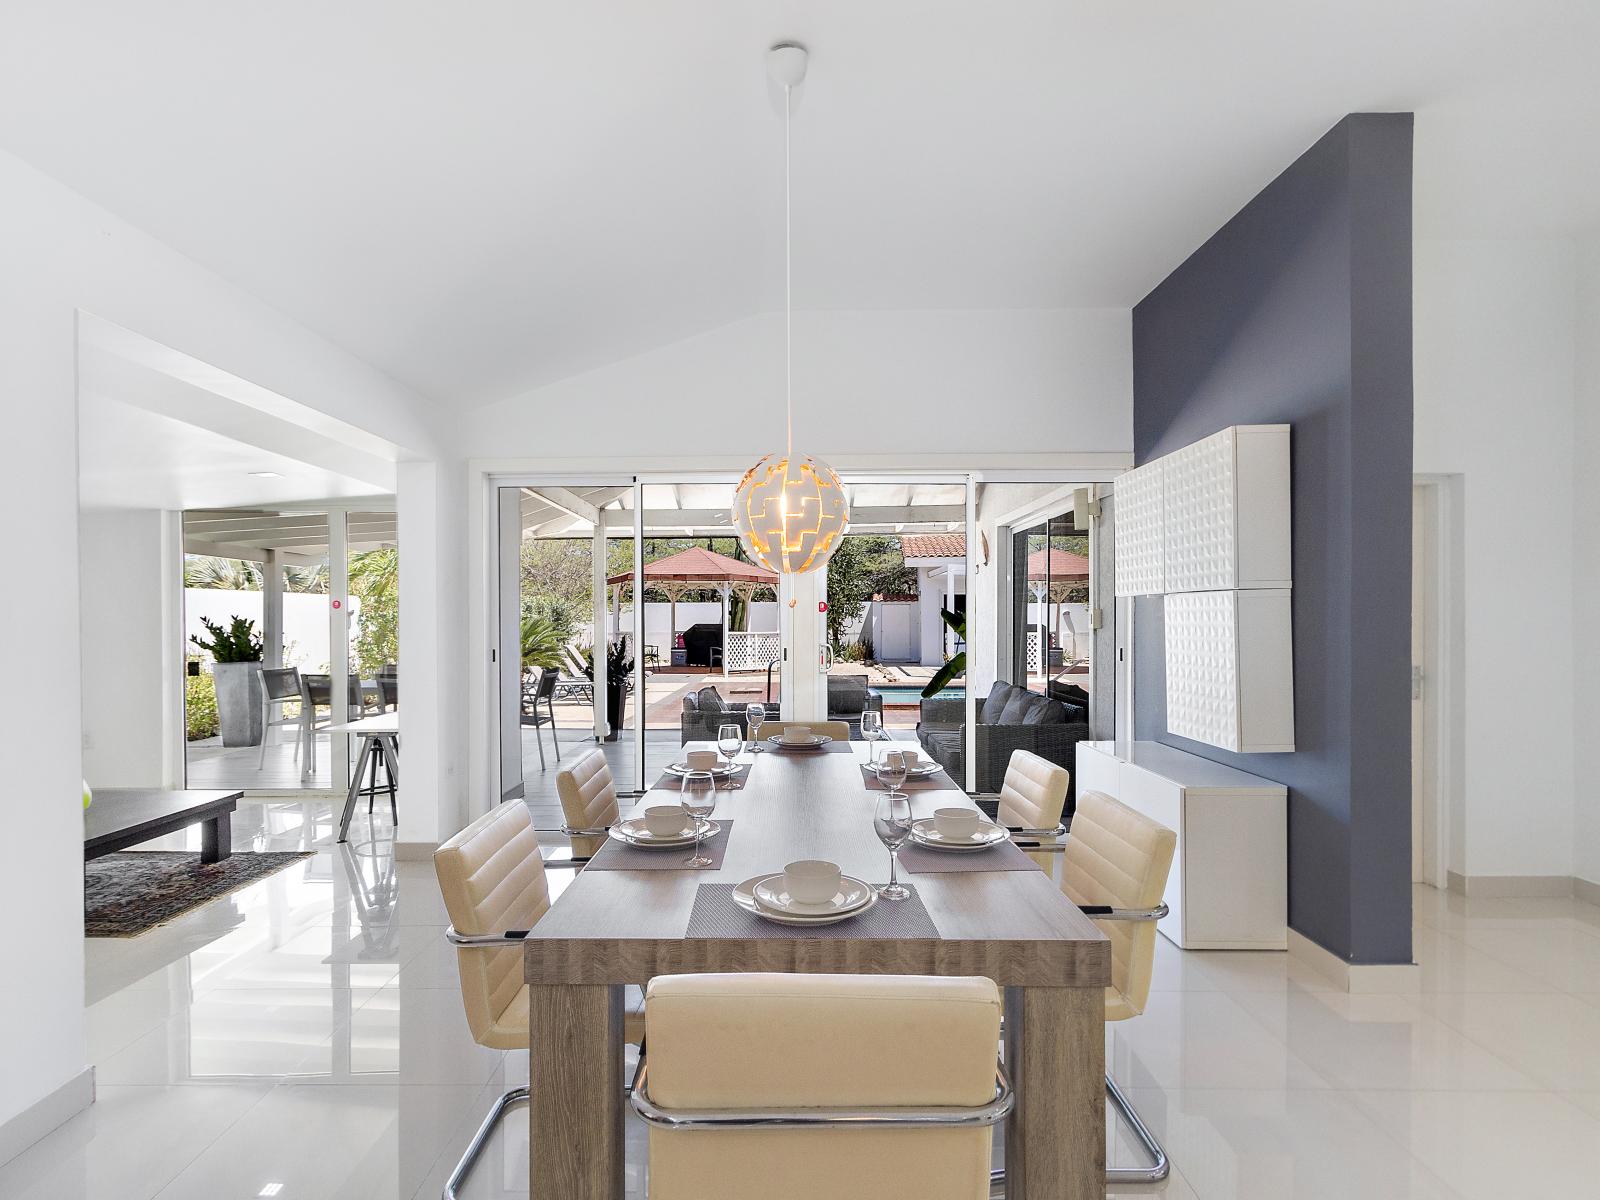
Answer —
(483, 197)
(129, 457)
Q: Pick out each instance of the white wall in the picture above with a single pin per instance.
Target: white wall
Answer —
(306, 622)
(63, 255)
(127, 561)
(936, 382)
(762, 618)
(1586, 551)
(1494, 370)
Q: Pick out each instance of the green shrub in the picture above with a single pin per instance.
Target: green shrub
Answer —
(200, 706)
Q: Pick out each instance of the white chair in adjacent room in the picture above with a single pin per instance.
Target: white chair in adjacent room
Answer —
(798, 1087)
(588, 802)
(492, 877)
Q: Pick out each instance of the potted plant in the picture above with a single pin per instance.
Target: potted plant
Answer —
(618, 668)
(236, 671)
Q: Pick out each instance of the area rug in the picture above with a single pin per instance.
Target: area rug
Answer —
(133, 891)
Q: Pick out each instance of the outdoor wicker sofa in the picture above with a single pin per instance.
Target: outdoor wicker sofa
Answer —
(1009, 718)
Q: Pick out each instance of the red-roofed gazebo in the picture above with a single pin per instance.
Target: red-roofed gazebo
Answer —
(692, 570)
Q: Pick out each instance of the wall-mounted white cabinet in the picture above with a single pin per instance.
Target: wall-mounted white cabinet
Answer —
(1230, 669)
(1229, 884)
(1209, 517)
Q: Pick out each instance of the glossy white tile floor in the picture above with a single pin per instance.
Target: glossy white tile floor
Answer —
(304, 1039)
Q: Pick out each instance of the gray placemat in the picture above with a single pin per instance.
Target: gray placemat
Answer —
(668, 782)
(939, 782)
(715, 915)
(615, 856)
(919, 860)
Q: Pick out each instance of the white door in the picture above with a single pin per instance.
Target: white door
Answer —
(1424, 659)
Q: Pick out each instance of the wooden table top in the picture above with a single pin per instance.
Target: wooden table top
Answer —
(1015, 927)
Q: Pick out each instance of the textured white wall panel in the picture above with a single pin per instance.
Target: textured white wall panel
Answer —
(1202, 651)
(1140, 501)
(1200, 519)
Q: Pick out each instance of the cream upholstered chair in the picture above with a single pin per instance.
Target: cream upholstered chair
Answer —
(493, 880)
(1114, 867)
(1031, 799)
(839, 731)
(795, 1087)
(588, 802)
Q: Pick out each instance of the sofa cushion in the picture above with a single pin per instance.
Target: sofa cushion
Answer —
(995, 704)
(710, 701)
(1045, 712)
(1021, 703)
(847, 695)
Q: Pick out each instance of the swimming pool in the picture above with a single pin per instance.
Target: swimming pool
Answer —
(901, 693)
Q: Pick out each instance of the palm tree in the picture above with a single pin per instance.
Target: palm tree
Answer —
(224, 574)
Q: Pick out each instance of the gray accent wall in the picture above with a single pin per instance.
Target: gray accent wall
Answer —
(1298, 310)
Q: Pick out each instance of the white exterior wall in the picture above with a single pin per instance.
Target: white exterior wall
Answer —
(763, 618)
(1495, 355)
(64, 255)
(305, 621)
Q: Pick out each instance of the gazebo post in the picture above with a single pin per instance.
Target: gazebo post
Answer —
(726, 588)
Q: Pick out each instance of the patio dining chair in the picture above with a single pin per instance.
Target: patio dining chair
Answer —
(542, 692)
(281, 686)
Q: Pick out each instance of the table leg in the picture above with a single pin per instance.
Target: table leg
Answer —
(575, 1077)
(1055, 1052)
(355, 789)
(216, 838)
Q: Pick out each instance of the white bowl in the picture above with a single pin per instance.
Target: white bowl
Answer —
(957, 822)
(664, 820)
(702, 760)
(910, 757)
(799, 736)
(811, 880)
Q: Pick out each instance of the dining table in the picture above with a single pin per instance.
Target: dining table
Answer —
(612, 928)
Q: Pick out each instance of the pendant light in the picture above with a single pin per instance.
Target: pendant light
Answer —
(790, 511)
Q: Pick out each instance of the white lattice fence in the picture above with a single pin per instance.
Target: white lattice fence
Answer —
(1035, 662)
(751, 651)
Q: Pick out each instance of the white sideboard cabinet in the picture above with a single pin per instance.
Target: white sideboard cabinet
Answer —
(1229, 887)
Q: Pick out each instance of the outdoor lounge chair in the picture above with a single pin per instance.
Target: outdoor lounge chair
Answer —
(571, 683)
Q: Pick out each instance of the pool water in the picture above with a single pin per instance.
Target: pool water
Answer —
(911, 694)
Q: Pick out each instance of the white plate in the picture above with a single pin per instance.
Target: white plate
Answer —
(720, 770)
(816, 743)
(744, 897)
(633, 833)
(924, 834)
(923, 768)
(852, 894)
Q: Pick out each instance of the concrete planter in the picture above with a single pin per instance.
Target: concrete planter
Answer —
(238, 687)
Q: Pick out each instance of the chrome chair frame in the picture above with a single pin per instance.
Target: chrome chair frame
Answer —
(1160, 1166)
(517, 1096)
(572, 833)
(706, 1119)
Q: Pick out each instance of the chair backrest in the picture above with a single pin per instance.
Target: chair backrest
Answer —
(588, 798)
(839, 731)
(317, 689)
(1119, 857)
(545, 689)
(493, 880)
(389, 686)
(1034, 792)
(280, 684)
(820, 1041)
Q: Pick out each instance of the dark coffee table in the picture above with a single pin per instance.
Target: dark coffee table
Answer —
(123, 817)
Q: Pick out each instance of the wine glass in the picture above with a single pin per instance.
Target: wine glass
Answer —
(699, 792)
(730, 740)
(872, 731)
(755, 715)
(892, 820)
(891, 771)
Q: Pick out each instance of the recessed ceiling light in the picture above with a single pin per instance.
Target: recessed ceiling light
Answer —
(266, 475)
(272, 1189)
